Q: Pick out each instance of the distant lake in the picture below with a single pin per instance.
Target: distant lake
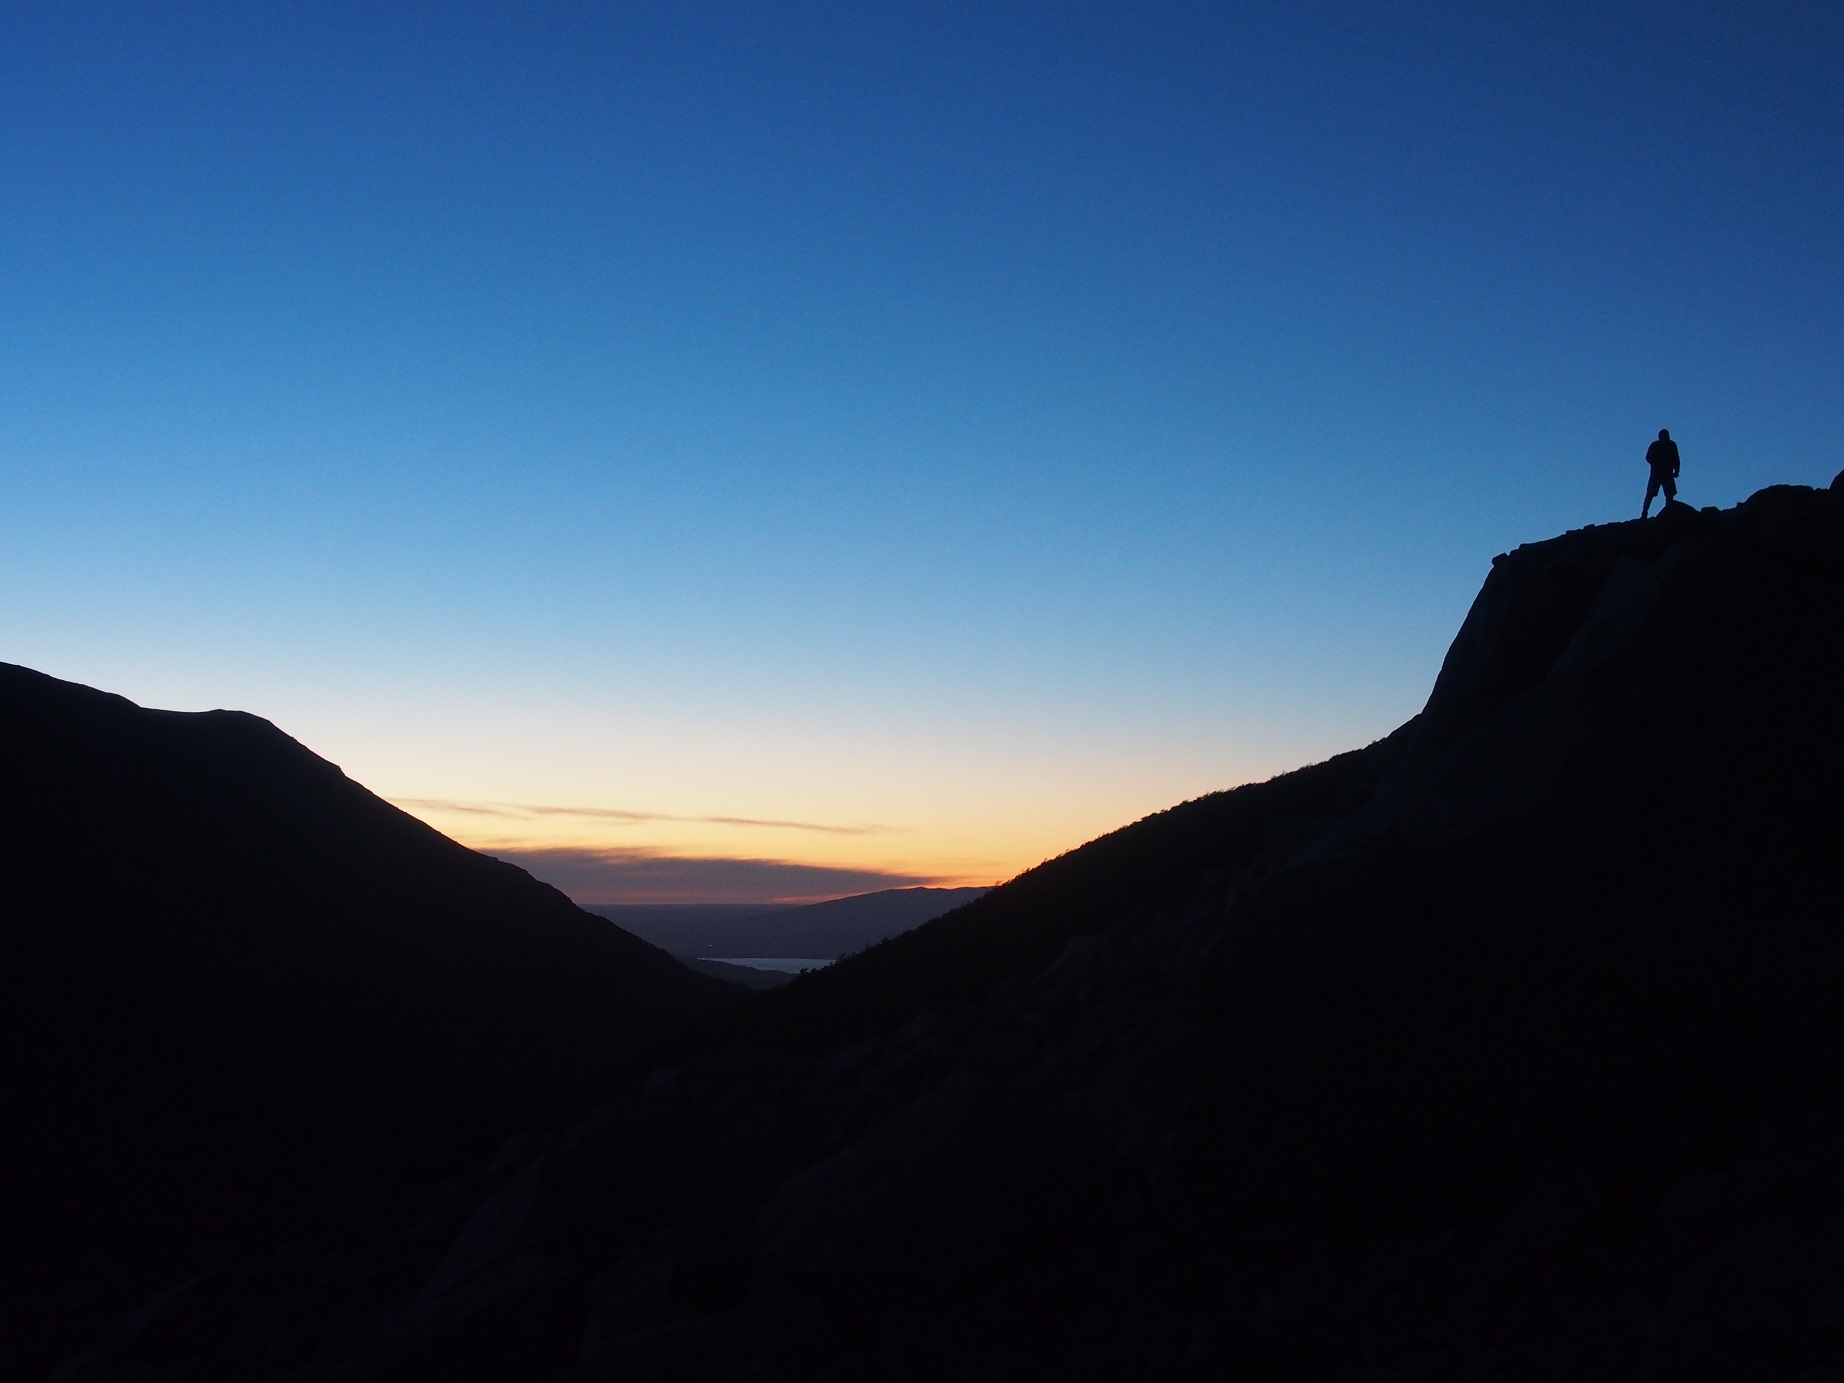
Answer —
(783, 965)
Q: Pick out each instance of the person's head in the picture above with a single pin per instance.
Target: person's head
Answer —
(1664, 435)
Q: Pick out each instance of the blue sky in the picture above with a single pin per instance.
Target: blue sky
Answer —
(952, 430)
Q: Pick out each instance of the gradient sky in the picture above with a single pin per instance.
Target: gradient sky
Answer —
(742, 450)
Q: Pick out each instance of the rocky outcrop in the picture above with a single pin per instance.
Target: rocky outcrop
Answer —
(1506, 1047)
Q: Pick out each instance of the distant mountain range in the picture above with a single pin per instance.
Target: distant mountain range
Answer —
(1510, 1046)
(826, 930)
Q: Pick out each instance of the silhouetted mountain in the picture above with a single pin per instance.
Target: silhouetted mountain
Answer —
(676, 920)
(749, 976)
(822, 931)
(229, 972)
(1507, 1047)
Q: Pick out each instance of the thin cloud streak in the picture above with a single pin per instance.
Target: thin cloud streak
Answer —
(591, 876)
(523, 811)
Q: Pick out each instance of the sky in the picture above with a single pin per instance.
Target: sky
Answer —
(737, 451)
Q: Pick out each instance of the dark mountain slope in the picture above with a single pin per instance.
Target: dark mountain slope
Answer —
(1017, 929)
(1685, 667)
(1509, 1047)
(1594, 922)
(226, 971)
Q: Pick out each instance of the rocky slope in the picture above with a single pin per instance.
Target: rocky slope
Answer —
(1506, 1047)
(227, 972)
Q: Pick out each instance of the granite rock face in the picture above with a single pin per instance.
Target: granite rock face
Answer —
(1509, 1046)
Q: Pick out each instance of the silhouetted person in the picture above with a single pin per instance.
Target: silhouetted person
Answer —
(1662, 457)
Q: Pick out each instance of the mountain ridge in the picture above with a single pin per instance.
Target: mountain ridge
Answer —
(1511, 1045)
(229, 970)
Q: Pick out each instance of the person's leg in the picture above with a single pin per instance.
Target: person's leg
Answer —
(1671, 488)
(1651, 494)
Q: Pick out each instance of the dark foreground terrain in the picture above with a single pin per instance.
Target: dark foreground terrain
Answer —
(1508, 1047)
(229, 976)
